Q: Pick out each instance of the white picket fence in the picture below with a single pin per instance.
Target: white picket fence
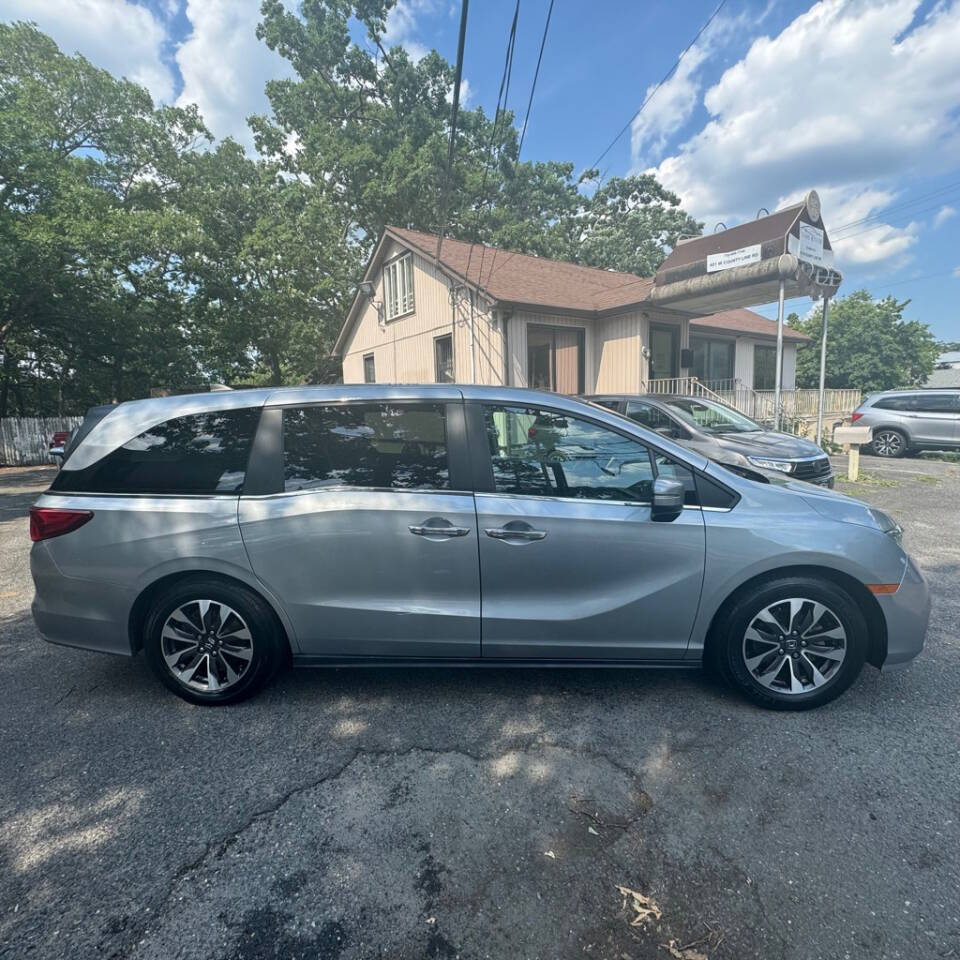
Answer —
(24, 441)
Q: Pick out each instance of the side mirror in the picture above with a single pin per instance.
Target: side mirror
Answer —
(668, 496)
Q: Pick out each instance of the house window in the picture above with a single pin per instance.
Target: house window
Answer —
(398, 286)
(555, 358)
(712, 359)
(369, 369)
(764, 368)
(443, 359)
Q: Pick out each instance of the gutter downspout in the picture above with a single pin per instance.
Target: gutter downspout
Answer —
(473, 351)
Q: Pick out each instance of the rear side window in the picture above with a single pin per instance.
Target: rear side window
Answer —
(937, 403)
(204, 453)
(649, 416)
(896, 403)
(400, 446)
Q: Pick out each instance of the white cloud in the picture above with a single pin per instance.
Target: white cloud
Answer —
(943, 215)
(847, 98)
(402, 26)
(124, 38)
(225, 67)
(956, 272)
(670, 106)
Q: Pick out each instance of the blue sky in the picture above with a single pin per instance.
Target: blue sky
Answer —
(859, 99)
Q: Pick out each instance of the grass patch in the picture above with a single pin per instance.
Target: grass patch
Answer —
(869, 480)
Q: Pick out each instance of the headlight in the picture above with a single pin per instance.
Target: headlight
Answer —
(784, 466)
(887, 524)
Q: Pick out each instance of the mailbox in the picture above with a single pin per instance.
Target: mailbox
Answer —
(853, 435)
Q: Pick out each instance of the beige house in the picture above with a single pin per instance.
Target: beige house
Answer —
(430, 311)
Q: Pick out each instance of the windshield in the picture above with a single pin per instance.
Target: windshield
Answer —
(709, 416)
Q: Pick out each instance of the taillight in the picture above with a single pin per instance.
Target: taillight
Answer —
(854, 417)
(47, 522)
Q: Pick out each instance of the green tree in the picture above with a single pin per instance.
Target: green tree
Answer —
(869, 345)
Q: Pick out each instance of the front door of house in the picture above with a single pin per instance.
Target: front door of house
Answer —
(664, 352)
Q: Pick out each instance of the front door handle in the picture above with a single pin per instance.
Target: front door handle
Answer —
(515, 533)
(437, 528)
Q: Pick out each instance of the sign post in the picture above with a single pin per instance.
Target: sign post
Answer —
(823, 369)
(778, 384)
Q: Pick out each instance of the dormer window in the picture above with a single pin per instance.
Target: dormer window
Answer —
(398, 286)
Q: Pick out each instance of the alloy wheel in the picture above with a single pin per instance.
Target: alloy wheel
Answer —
(794, 646)
(207, 645)
(887, 443)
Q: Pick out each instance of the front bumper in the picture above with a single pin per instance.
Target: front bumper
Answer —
(907, 614)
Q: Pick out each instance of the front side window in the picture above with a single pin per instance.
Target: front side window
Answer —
(543, 453)
(398, 286)
(399, 446)
(205, 453)
(649, 416)
(443, 359)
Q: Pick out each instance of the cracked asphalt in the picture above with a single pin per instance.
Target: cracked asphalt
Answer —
(480, 813)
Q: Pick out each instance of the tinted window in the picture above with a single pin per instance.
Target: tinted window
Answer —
(201, 454)
(543, 453)
(896, 403)
(764, 367)
(369, 369)
(649, 416)
(366, 445)
(937, 403)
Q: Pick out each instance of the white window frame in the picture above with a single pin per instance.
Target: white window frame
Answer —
(398, 294)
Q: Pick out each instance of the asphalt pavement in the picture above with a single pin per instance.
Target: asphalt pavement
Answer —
(481, 813)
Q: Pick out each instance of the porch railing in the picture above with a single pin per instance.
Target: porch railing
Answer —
(795, 405)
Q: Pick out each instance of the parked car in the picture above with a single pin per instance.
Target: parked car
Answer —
(58, 443)
(725, 435)
(223, 534)
(911, 420)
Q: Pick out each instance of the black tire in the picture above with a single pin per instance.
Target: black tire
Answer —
(730, 641)
(889, 443)
(268, 644)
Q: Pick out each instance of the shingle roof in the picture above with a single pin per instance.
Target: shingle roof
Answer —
(520, 278)
(746, 321)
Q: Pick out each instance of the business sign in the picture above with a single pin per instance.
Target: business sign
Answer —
(809, 247)
(733, 258)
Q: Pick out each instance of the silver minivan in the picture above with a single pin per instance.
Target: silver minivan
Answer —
(226, 534)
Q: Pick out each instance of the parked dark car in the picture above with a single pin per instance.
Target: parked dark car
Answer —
(724, 435)
(911, 420)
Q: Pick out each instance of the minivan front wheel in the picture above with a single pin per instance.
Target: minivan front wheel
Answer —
(212, 642)
(794, 643)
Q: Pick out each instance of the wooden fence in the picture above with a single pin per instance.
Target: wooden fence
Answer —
(24, 441)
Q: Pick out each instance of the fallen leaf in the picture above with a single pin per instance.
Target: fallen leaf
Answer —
(550, 854)
(594, 832)
(683, 953)
(643, 907)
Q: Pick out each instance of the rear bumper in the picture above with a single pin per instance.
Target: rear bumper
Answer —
(907, 614)
(78, 613)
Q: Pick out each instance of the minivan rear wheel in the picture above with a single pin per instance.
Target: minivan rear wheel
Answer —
(794, 643)
(212, 642)
(889, 443)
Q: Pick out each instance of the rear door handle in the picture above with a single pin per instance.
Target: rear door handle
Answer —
(504, 533)
(438, 530)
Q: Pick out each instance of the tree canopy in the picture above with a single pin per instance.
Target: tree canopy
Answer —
(869, 345)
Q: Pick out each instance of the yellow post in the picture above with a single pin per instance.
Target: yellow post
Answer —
(853, 464)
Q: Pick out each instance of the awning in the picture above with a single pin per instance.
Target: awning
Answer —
(743, 266)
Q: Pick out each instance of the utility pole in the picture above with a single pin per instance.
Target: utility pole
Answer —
(778, 382)
(823, 369)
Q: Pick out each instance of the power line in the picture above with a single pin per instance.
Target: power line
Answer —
(880, 226)
(453, 123)
(900, 206)
(526, 119)
(504, 85)
(653, 92)
(533, 86)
